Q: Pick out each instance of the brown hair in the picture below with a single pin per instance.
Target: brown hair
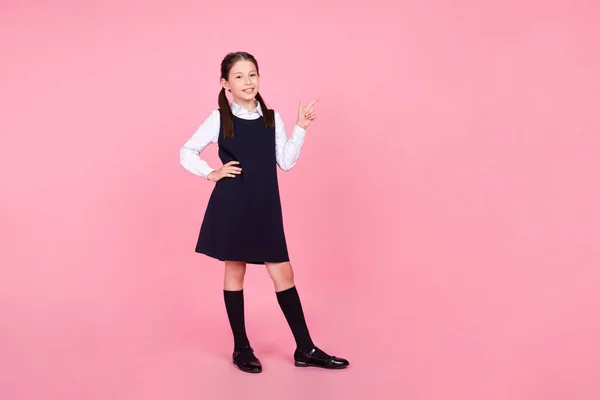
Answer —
(226, 113)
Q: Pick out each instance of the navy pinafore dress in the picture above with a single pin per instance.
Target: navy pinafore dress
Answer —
(243, 219)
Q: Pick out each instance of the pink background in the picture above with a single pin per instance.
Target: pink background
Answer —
(443, 217)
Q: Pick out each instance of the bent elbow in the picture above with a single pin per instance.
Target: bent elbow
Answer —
(287, 166)
(184, 154)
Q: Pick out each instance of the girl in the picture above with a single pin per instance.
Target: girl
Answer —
(243, 221)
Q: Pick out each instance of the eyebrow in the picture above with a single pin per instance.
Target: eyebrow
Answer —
(234, 73)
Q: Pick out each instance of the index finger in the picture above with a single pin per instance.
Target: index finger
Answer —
(311, 103)
(232, 162)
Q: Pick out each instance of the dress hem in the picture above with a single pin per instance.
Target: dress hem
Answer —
(247, 261)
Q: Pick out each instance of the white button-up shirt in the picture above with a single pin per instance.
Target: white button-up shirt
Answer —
(287, 149)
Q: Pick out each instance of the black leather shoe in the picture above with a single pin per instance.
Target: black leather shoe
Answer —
(246, 361)
(302, 359)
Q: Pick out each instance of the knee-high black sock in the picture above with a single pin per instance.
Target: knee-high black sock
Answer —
(289, 301)
(234, 303)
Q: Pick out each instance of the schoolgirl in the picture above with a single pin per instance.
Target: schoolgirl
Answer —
(243, 221)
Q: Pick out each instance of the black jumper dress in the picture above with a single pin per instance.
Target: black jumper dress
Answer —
(243, 219)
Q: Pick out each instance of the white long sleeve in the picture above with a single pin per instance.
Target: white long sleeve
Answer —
(190, 153)
(287, 149)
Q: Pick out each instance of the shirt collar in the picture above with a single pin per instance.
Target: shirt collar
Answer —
(238, 110)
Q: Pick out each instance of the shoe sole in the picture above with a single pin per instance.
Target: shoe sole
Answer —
(248, 371)
(305, 365)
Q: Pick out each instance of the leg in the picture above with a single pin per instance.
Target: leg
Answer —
(307, 354)
(235, 272)
(234, 301)
(233, 294)
(281, 274)
(289, 301)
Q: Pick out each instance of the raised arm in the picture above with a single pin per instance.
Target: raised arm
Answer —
(288, 149)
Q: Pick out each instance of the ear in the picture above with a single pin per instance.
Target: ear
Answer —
(225, 84)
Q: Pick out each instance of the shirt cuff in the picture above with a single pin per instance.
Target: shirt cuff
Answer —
(298, 134)
(206, 171)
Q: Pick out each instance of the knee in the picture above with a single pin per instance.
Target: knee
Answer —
(235, 270)
(282, 275)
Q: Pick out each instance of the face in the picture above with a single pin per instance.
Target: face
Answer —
(243, 81)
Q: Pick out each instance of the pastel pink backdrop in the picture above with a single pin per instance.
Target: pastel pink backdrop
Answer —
(443, 218)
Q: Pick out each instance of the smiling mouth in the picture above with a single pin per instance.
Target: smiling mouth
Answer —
(249, 90)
